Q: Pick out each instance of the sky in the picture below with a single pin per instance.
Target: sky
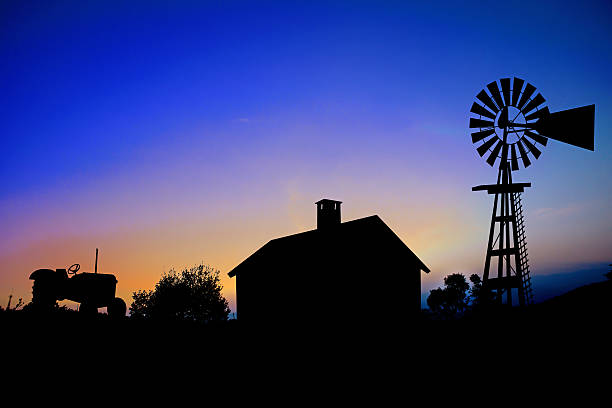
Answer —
(173, 133)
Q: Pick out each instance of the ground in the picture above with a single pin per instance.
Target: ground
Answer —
(570, 330)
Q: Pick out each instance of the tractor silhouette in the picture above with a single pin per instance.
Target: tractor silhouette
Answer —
(91, 290)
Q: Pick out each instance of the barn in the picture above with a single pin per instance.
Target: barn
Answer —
(357, 270)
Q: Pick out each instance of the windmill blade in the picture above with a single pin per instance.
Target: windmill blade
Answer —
(486, 99)
(535, 102)
(538, 138)
(505, 84)
(494, 89)
(480, 123)
(494, 153)
(480, 110)
(540, 113)
(515, 165)
(486, 145)
(524, 158)
(534, 150)
(529, 90)
(516, 90)
(573, 126)
(477, 136)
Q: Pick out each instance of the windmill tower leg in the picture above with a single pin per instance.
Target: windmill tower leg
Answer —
(485, 275)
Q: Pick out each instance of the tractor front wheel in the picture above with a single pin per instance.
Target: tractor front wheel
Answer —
(87, 309)
(117, 308)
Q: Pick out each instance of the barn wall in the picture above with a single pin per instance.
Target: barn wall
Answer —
(362, 291)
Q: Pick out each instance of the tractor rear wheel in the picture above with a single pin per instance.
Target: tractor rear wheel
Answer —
(117, 308)
(87, 309)
(42, 294)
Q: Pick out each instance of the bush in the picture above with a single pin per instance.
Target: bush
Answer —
(193, 294)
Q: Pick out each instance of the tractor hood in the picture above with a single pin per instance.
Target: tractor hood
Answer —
(41, 273)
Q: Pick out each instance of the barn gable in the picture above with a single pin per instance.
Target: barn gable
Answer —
(307, 242)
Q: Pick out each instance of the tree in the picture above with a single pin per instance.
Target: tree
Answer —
(478, 295)
(436, 300)
(452, 298)
(193, 294)
(456, 287)
(476, 292)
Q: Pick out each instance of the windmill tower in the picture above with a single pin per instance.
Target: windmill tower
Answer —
(509, 120)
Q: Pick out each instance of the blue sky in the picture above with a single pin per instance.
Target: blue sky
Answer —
(192, 119)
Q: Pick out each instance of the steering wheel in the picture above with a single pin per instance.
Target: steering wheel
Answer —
(74, 269)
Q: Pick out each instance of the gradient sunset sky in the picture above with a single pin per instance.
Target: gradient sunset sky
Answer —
(169, 133)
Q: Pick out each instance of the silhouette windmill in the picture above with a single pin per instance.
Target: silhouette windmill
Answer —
(507, 121)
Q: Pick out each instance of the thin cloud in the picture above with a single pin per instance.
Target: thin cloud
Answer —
(558, 212)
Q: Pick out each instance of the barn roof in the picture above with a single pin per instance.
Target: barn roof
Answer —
(370, 227)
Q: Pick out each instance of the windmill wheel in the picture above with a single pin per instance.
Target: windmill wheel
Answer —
(506, 122)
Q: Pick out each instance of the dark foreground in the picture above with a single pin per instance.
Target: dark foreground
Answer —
(572, 330)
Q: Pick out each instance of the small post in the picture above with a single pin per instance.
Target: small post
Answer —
(96, 270)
